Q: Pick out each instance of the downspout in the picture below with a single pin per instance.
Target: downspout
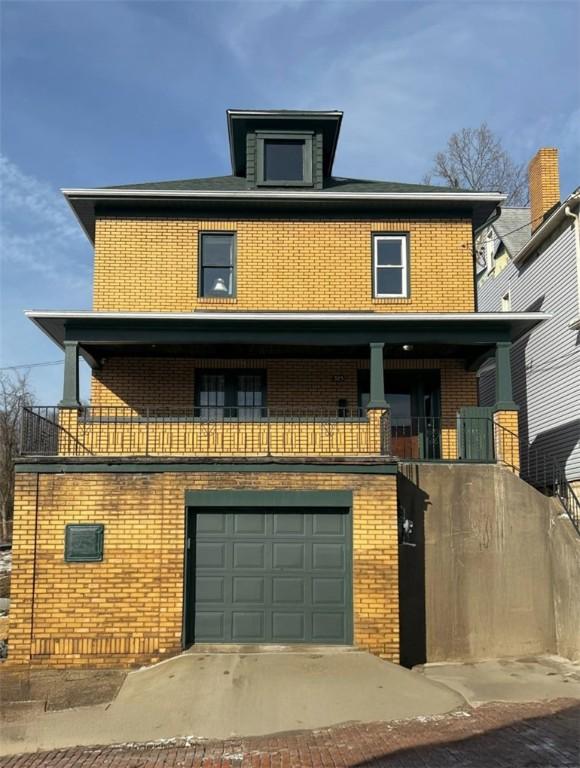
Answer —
(575, 218)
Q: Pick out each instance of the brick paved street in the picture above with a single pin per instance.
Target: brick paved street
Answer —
(539, 735)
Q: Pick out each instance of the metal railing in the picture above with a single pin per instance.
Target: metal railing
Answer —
(204, 431)
(544, 472)
(435, 438)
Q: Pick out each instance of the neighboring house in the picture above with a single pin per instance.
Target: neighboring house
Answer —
(264, 348)
(536, 267)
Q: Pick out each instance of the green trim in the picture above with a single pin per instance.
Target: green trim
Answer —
(503, 372)
(377, 376)
(307, 157)
(105, 331)
(509, 405)
(87, 467)
(70, 389)
(237, 498)
(200, 235)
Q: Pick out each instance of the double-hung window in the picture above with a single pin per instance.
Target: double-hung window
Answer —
(234, 394)
(390, 266)
(217, 264)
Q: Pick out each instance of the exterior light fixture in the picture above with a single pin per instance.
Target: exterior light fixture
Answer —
(219, 286)
(407, 347)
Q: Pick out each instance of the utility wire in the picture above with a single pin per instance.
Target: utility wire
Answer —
(31, 365)
(517, 229)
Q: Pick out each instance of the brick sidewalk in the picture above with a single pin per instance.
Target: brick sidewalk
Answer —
(539, 735)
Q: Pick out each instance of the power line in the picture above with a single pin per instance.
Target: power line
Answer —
(31, 365)
(517, 229)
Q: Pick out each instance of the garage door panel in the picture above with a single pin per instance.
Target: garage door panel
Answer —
(287, 590)
(209, 589)
(288, 627)
(248, 589)
(328, 627)
(212, 522)
(249, 555)
(328, 556)
(247, 626)
(272, 576)
(328, 524)
(210, 554)
(251, 524)
(325, 591)
(209, 625)
(289, 555)
(290, 524)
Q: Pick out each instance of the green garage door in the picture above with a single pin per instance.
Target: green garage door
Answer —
(271, 577)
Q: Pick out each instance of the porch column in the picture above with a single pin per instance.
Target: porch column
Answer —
(70, 389)
(505, 416)
(503, 376)
(377, 392)
(377, 408)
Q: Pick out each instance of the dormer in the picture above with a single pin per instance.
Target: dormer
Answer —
(283, 148)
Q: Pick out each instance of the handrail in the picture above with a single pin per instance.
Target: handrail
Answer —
(540, 470)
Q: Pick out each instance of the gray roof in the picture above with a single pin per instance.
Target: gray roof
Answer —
(513, 228)
(239, 184)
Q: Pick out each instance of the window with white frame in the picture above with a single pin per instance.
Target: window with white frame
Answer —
(506, 302)
(390, 266)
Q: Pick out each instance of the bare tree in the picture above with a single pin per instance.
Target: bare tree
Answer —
(14, 394)
(475, 159)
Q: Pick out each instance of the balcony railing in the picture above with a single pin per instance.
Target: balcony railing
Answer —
(204, 432)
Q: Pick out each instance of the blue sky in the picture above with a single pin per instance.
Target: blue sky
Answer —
(98, 93)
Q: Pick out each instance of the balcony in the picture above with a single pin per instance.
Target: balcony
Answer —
(203, 432)
(212, 432)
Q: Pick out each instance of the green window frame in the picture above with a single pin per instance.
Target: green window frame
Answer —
(237, 393)
(304, 138)
(217, 270)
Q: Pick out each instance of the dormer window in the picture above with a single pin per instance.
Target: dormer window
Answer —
(284, 159)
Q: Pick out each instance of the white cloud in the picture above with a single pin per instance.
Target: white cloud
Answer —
(39, 237)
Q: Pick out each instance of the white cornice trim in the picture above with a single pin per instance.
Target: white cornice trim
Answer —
(282, 195)
(459, 317)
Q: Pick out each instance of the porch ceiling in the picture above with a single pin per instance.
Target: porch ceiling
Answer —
(466, 335)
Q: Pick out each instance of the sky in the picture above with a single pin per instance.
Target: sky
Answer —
(108, 92)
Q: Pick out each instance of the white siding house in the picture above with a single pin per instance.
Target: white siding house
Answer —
(543, 275)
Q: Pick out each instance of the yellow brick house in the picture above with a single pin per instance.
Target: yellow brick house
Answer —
(265, 348)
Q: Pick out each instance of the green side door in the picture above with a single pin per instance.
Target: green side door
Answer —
(475, 434)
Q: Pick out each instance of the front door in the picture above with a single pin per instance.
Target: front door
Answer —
(415, 403)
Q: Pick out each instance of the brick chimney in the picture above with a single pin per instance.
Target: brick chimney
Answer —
(544, 183)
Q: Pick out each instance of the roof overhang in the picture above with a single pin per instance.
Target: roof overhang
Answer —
(244, 121)
(547, 228)
(88, 204)
(477, 330)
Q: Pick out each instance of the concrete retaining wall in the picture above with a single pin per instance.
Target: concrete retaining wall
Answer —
(493, 569)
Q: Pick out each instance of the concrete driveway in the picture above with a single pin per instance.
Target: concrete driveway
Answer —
(219, 695)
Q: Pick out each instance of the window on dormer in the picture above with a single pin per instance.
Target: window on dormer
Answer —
(284, 159)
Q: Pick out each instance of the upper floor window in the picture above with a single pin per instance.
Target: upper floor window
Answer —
(390, 266)
(217, 264)
(284, 159)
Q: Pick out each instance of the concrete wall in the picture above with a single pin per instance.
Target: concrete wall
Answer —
(493, 569)
(565, 557)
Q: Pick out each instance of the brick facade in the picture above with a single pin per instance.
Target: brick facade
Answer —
(151, 265)
(128, 609)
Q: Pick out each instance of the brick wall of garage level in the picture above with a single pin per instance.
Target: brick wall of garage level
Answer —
(151, 265)
(128, 609)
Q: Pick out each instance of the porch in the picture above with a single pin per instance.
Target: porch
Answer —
(273, 385)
